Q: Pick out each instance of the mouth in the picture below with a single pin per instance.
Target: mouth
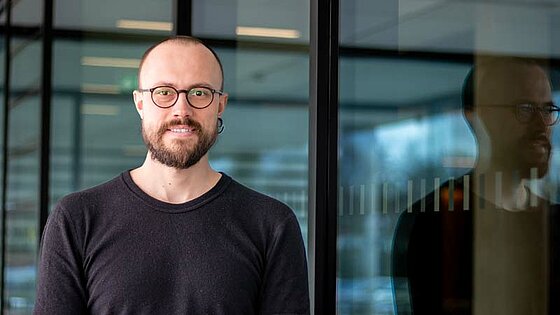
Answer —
(539, 142)
(539, 139)
(182, 130)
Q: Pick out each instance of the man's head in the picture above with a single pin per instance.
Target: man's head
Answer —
(511, 99)
(176, 133)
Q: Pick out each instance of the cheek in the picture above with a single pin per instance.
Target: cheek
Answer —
(505, 132)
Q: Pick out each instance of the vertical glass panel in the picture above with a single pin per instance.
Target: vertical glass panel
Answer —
(448, 178)
(95, 127)
(141, 16)
(27, 12)
(252, 20)
(264, 145)
(22, 204)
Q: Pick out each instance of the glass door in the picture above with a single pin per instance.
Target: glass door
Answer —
(448, 158)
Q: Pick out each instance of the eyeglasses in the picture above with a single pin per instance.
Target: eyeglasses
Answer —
(166, 96)
(525, 112)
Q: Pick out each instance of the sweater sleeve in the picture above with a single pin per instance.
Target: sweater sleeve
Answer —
(285, 288)
(60, 283)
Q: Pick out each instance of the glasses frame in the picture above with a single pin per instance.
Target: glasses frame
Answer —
(179, 91)
(534, 108)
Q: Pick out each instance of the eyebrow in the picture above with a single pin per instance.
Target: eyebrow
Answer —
(197, 84)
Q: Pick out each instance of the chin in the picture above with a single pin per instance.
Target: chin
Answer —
(541, 167)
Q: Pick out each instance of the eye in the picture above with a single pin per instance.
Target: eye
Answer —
(525, 108)
(164, 91)
(550, 108)
(199, 92)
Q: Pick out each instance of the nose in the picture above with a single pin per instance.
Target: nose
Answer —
(182, 108)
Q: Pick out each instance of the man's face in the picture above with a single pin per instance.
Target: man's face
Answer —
(516, 145)
(179, 136)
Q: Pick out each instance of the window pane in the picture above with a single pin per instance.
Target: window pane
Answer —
(264, 144)
(439, 180)
(259, 21)
(140, 17)
(22, 204)
(95, 128)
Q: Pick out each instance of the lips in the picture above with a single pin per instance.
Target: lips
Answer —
(539, 142)
(181, 127)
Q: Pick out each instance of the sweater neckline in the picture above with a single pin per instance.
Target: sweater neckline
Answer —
(163, 206)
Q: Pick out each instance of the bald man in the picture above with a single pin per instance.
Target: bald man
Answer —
(488, 245)
(173, 236)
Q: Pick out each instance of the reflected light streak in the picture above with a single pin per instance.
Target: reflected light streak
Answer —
(267, 32)
(145, 25)
(100, 88)
(100, 110)
(110, 62)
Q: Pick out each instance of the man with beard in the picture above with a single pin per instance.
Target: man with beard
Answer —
(486, 245)
(173, 236)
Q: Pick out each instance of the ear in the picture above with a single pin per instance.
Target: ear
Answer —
(222, 104)
(138, 102)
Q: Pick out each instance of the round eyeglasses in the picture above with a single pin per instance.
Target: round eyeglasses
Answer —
(526, 112)
(166, 96)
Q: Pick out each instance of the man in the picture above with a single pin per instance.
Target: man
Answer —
(489, 249)
(173, 236)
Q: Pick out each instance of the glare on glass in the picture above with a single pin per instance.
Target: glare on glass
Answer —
(166, 96)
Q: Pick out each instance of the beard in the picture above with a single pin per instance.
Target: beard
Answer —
(179, 154)
(529, 152)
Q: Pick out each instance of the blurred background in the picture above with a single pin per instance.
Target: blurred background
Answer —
(67, 120)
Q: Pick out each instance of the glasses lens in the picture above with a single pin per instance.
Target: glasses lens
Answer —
(200, 97)
(550, 114)
(525, 112)
(164, 96)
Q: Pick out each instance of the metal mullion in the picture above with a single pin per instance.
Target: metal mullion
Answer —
(77, 143)
(183, 17)
(46, 94)
(323, 153)
(5, 151)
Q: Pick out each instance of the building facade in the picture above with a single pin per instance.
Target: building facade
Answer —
(349, 111)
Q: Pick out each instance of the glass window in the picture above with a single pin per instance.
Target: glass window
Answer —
(249, 20)
(22, 204)
(439, 177)
(140, 17)
(264, 144)
(95, 127)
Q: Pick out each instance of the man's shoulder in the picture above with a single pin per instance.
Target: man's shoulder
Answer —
(93, 195)
(255, 201)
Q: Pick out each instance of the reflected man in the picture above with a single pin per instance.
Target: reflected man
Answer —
(488, 250)
(173, 236)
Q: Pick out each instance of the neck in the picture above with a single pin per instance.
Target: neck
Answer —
(504, 188)
(173, 185)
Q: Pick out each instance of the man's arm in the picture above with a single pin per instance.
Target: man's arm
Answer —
(60, 283)
(285, 289)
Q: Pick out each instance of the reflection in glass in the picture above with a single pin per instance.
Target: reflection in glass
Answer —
(405, 142)
(484, 235)
(141, 17)
(22, 204)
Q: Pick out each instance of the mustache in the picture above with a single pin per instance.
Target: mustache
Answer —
(187, 121)
(540, 137)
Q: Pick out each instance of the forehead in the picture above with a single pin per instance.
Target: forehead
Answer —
(182, 64)
(514, 83)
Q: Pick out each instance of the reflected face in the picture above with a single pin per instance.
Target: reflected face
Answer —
(517, 144)
(179, 136)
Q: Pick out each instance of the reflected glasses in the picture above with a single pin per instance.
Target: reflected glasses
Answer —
(525, 112)
(198, 97)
